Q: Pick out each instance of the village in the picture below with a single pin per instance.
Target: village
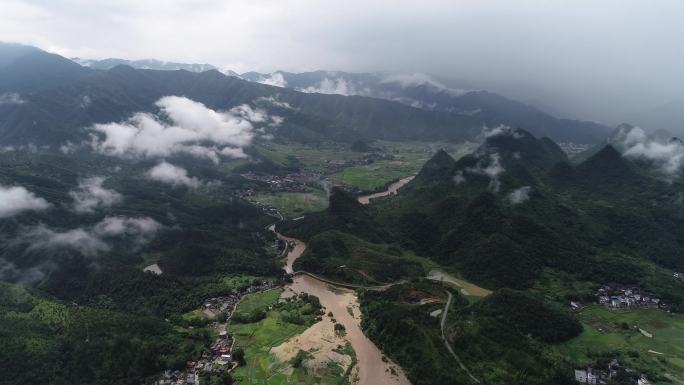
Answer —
(294, 182)
(219, 356)
(601, 376)
(303, 180)
(621, 297)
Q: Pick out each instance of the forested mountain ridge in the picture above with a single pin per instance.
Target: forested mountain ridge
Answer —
(421, 91)
(48, 98)
(71, 97)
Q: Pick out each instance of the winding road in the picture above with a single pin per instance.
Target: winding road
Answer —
(446, 342)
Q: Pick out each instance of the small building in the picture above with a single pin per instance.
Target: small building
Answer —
(591, 378)
(581, 376)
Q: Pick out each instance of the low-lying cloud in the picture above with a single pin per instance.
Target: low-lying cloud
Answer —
(91, 195)
(488, 132)
(11, 98)
(16, 199)
(93, 240)
(338, 86)
(519, 195)
(271, 100)
(177, 176)
(420, 79)
(183, 127)
(667, 155)
(489, 166)
(275, 79)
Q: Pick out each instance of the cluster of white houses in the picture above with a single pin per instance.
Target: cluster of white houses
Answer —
(595, 376)
(620, 297)
(678, 276)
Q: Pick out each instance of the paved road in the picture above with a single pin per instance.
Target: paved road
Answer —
(446, 342)
(350, 285)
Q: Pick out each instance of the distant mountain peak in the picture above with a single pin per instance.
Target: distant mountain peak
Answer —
(440, 168)
(607, 164)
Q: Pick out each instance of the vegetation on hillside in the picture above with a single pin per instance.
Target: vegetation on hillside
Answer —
(346, 258)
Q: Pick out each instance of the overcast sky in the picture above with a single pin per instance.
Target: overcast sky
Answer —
(597, 59)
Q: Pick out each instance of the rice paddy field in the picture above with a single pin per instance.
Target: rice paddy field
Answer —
(292, 205)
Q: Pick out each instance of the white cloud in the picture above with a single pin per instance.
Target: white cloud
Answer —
(491, 167)
(11, 98)
(338, 86)
(167, 173)
(193, 129)
(274, 101)
(91, 195)
(16, 199)
(42, 237)
(488, 132)
(519, 195)
(68, 148)
(93, 240)
(331, 86)
(420, 79)
(275, 79)
(138, 230)
(634, 143)
(459, 178)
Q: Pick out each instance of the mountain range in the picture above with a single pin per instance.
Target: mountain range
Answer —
(46, 97)
(134, 193)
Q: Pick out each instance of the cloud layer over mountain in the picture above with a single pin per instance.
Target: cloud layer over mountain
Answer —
(583, 57)
(184, 126)
(167, 173)
(95, 239)
(91, 195)
(635, 143)
(16, 199)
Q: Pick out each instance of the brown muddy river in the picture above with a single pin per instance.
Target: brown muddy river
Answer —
(371, 368)
(391, 189)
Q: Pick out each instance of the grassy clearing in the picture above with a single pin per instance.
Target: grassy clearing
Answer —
(314, 158)
(256, 302)
(409, 157)
(616, 332)
(293, 205)
(376, 175)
